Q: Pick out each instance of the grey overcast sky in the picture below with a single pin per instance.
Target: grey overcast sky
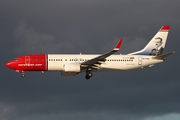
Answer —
(88, 26)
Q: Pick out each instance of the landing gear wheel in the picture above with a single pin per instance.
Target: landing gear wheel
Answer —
(88, 75)
(22, 75)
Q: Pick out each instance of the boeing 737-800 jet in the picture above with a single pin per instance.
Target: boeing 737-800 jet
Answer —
(73, 64)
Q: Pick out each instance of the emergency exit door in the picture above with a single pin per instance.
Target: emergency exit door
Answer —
(27, 60)
(140, 60)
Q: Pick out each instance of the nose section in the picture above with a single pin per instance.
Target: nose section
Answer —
(7, 64)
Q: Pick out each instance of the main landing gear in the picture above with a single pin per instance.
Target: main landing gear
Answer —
(88, 75)
(22, 73)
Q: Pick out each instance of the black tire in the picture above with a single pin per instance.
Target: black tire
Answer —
(88, 75)
(22, 75)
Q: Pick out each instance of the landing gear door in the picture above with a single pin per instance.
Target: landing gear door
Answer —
(27, 60)
(140, 60)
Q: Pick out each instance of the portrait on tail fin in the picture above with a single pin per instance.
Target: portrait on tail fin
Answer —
(156, 45)
(159, 48)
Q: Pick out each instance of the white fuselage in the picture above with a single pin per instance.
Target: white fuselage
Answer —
(56, 62)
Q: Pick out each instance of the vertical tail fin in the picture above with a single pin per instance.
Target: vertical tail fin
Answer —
(156, 45)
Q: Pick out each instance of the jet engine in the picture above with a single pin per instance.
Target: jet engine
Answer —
(72, 68)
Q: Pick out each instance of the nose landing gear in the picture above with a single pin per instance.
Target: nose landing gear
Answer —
(22, 74)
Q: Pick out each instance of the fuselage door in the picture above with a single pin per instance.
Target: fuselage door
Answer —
(27, 60)
(140, 60)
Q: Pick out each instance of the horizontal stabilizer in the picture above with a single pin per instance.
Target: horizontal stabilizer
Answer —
(163, 55)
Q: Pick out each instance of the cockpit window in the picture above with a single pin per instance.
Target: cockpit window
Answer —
(16, 59)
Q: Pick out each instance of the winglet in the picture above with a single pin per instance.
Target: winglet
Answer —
(118, 45)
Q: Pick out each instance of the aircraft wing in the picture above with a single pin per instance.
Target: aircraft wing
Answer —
(95, 62)
(163, 55)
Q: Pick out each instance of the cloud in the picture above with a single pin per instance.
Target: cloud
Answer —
(69, 116)
(7, 111)
(30, 41)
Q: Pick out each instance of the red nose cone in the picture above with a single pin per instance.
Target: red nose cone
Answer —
(8, 64)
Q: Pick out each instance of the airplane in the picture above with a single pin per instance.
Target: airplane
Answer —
(73, 64)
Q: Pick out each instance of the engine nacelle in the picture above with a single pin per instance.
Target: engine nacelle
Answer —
(72, 68)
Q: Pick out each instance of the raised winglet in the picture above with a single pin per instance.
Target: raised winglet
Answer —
(118, 45)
